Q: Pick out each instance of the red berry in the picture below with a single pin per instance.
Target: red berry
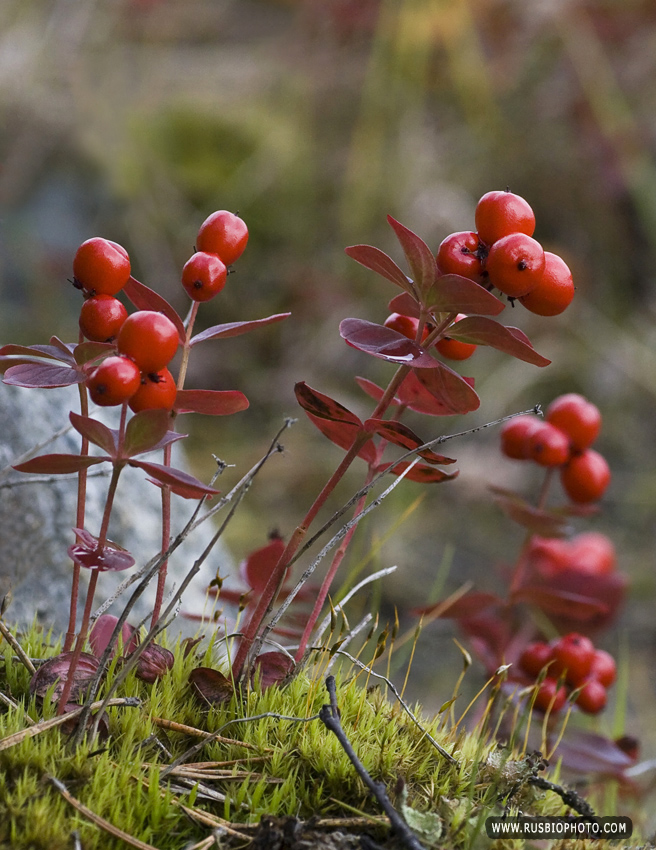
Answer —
(592, 697)
(535, 657)
(204, 276)
(548, 445)
(550, 696)
(500, 213)
(157, 390)
(592, 554)
(101, 266)
(579, 418)
(573, 655)
(101, 318)
(457, 254)
(114, 381)
(515, 264)
(585, 477)
(223, 233)
(603, 668)
(455, 349)
(406, 325)
(150, 339)
(515, 435)
(555, 290)
(548, 555)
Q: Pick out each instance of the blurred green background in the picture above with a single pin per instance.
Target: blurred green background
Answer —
(134, 119)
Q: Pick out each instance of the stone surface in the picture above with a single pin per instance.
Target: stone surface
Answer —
(36, 518)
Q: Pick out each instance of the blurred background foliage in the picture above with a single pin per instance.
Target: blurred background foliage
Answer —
(134, 119)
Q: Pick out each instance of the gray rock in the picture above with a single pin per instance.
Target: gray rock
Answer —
(36, 518)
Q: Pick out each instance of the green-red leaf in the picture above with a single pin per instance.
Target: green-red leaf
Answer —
(145, 431)
(400, 435)
(452, 293)
(58, 464)
(231, 329)
(180, 483)
(211, 402)
(483, 331)
(378, 261)
(95, 432)
(419, 256)
(449, 388)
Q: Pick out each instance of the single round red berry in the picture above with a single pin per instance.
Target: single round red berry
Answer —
(592, 697)
(555, 289)
(459, 254)
(455, 349)
(515, 264)
(406, 325)
(586, 477)
(150, 339)
(223, 233)
(573, 655)
(579, 418)
(101, 266)
(535, 657)
(157, 391)
(592, 554)
(515, 435)
(101, 318)
(603, 668)
(550, 696)
(114, 381)
(548, 445)
(500, 213)
(204, 276)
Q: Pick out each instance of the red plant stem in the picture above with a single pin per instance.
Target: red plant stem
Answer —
(102, 539)
(79, 521)
(330, 575)
(166, 491)
(276, 578)
(520, 567)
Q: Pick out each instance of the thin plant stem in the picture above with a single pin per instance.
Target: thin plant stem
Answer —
(79, 522)
(166, 491)
(520, 567)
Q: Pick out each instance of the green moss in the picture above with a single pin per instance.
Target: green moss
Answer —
(279, 767)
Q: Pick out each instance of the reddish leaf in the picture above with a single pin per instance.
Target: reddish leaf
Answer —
(385, 343)
(87, 553)
(50, 352)
(588, 752)
(419, 256)
(95, 432)
(607, 591)
(154, 662)
(413, 394)
(145, 431)
(419, 473)
(145, 298)
(256, 569)
(88, 351)
(483, 331)
(343, 434)
(401, 435)
(323, 406)
(211, 402)
(374, 391)
(181, 483)
(448, 387)
(58, 464)
(64, 348)
(455, 294)
(559, 602)
(405, 304)
(271, 668)
(469, 605)
(237, 328)
(211, 686)
(378, 261)
(102, 631)
(538, 521)
(42, 375)
(55, 672)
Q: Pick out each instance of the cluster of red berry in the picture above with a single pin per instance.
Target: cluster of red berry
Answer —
(589, 554)
(503, 254)
(573, 666)
(146, 341)
(563, 439)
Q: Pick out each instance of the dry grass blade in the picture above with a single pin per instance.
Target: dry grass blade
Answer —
(217, 823)
(94, 818)
(18, 649)
(44, 725)
(172, 726)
